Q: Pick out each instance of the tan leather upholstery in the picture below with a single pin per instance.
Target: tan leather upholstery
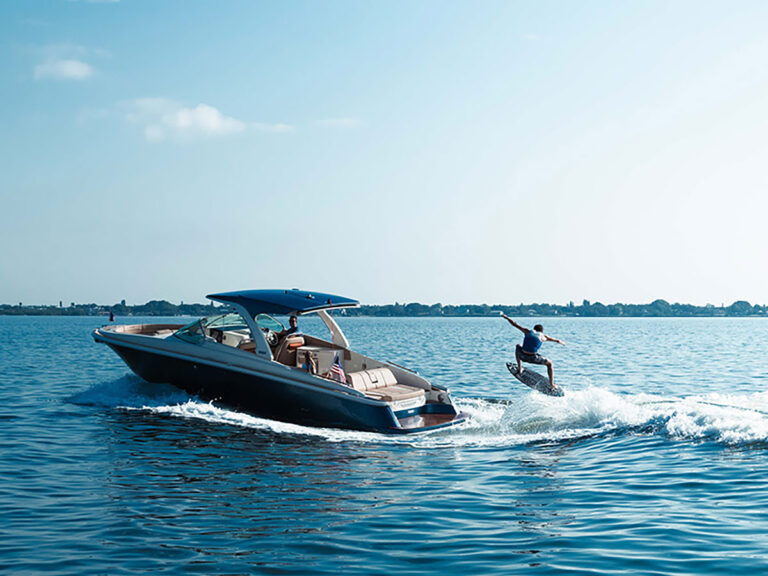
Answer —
(396, 393)
(371, 379)
(380, 383)
(248, 345)
(286, 351)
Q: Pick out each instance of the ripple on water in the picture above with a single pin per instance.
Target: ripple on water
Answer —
(653, 464)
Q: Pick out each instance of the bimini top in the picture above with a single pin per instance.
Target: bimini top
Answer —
(283, 301)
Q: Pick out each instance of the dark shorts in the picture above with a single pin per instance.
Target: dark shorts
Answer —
(531, 358)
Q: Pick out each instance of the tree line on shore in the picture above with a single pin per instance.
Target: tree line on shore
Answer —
(657, 308)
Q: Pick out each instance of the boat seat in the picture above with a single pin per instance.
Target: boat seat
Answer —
(381, 384)
(371, 379)
(248, 345)
(286, 351)
(395, 393)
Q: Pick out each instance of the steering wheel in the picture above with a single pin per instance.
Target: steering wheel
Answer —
(271, 337)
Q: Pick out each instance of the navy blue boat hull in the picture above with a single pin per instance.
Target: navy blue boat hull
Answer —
(267, 398)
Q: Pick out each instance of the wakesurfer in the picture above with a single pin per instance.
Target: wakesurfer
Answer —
(529, 351)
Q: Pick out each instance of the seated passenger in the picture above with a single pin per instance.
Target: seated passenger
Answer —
(309, 364)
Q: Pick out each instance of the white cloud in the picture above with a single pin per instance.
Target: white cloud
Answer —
(203, 118)
(63, 69)
(531, 36)
(66, 61)
(277, 128)
(340, 122)
(163, 118)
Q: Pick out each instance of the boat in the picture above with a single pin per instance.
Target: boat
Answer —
(245, 359)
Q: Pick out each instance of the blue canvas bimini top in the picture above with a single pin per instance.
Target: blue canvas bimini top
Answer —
(283, 301)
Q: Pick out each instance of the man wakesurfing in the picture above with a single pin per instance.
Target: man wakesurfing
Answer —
(529, 351)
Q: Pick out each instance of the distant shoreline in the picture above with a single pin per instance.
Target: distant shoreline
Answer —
(656, 309)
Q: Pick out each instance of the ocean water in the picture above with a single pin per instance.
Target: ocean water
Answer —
(654, 462)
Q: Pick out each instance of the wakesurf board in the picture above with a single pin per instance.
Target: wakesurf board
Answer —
(535, 380)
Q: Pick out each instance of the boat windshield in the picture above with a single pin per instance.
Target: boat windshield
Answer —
(193, 332)
(266, 322)
(231, 321)
(197, 331)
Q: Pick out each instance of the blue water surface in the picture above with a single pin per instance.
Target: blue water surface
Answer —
(654, 462)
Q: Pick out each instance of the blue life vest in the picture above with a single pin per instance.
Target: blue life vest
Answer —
(532, 342)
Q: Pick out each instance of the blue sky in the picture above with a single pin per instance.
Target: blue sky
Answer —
(498, 152)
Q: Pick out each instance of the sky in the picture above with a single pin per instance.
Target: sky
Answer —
(453, 152)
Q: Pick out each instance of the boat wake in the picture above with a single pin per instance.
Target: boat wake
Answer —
(130, 391)
(738, 419)
(723, 418)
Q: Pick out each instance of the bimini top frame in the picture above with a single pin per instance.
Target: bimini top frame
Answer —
(255, 302)
(283, 301)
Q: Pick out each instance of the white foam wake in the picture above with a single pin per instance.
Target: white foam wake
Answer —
(207, 411)
(725, 418)
(130, 391)
(530, 417)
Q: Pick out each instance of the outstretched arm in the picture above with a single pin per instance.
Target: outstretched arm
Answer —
(515, 324)
(555, 340)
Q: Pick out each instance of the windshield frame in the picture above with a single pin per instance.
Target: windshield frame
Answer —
(195, 331)
(262, 323)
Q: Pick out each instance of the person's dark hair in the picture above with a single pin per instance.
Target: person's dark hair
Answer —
(538, 328)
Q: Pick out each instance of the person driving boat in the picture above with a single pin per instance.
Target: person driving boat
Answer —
(294, 327)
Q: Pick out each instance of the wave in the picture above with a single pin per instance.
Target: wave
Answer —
(528, 418)
(129, 391)
(723, 418)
